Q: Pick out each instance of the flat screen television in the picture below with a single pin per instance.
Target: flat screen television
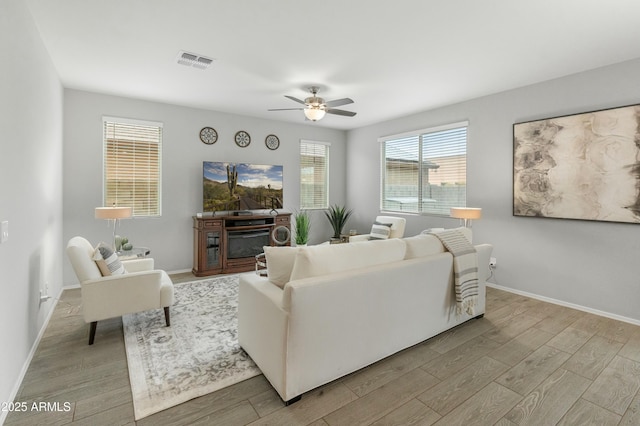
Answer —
(241, 186)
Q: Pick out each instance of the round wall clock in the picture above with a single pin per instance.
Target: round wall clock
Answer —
(272, 142)
(243, 139)
(208, 135)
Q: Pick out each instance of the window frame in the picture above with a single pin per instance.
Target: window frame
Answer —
(327, 159)
(111, 124)
(419, 210)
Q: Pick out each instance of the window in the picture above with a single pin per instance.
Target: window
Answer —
(425, 171)
(132, 165)
(314, 175)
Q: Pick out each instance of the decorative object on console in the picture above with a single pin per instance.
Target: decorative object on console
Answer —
(241, 186)
(208, 135)
(338, 216)
(242, 139)
(113, 214)
(315, 107)
(466, 214)
(582, 166)
(281, 235)
(272, 142)
(302, 224)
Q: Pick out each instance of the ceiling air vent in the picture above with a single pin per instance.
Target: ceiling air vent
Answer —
(193, 60)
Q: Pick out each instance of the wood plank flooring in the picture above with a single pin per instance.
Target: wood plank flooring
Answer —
(525, 363)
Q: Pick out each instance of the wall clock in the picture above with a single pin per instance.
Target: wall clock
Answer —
(243, 139)
(272, 142)
(208, 135)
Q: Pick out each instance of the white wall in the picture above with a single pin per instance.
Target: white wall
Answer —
(171, 236)
(30, 188)
(592, 264)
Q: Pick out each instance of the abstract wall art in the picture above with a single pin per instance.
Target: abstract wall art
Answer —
(584, 166)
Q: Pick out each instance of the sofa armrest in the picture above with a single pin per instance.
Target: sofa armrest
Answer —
(118, 295)
(137, 265)
(263, 325)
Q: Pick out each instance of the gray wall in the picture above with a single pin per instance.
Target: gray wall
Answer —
(170, 237)
(592, 264)
(30, 188)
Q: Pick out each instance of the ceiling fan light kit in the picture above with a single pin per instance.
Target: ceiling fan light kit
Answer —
(315, 107)
(314, 113)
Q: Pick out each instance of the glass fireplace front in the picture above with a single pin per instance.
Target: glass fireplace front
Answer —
(246, 243)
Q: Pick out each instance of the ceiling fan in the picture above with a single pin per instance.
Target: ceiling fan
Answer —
(315, 107)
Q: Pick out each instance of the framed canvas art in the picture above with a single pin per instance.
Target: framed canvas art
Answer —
(583, 166)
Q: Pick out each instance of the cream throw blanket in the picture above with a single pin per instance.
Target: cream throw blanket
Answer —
(465, 269)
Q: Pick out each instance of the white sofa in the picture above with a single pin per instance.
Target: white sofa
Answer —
(328, 310)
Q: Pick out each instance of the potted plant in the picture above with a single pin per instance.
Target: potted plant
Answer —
(338, 217)
(302, 225)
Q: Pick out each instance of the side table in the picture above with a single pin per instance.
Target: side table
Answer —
(134, 253)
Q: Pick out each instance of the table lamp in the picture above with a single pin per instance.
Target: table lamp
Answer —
(113, 214)
(466, 213)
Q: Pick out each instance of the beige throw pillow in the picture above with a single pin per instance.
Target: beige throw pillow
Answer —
(280, 263)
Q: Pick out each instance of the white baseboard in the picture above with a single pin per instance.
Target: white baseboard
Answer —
(179, 271)
(34, 347)
(566, 304)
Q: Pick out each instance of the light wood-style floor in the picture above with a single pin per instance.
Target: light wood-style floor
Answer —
(525, 363)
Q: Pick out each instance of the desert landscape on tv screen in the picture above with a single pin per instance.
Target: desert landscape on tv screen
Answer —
(241, 186)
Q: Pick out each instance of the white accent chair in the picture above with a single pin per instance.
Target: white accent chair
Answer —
(397, 228)
(141, 288)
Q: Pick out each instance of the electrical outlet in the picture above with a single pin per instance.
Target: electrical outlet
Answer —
(493, 262)
(4, 231)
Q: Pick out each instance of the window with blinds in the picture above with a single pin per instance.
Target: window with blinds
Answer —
(132, 165)
(425, 171)
(314, 175)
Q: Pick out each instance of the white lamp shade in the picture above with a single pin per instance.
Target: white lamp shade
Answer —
(314, 114)
(466, 212)
(113, 212)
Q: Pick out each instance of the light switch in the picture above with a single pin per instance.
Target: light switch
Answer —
(4, 231)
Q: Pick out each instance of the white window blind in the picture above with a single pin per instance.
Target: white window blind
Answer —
(425, 171)
(132, 165)
(314, 175)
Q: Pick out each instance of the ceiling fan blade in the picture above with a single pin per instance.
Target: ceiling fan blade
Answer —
(340, 112)
(295, 99)
(286, 109)
(339, 102)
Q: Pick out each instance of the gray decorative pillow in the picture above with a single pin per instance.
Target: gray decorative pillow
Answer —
(108, 261)
(380, 231)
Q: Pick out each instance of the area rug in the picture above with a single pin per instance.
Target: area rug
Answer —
(197, 355)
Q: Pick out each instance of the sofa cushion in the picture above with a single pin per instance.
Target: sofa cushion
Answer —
(427, 244)
(423, 245)
(280, 263)
(107, 261)
(326, 259)
(380, 231)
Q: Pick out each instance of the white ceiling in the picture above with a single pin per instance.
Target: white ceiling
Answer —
(392, 58)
